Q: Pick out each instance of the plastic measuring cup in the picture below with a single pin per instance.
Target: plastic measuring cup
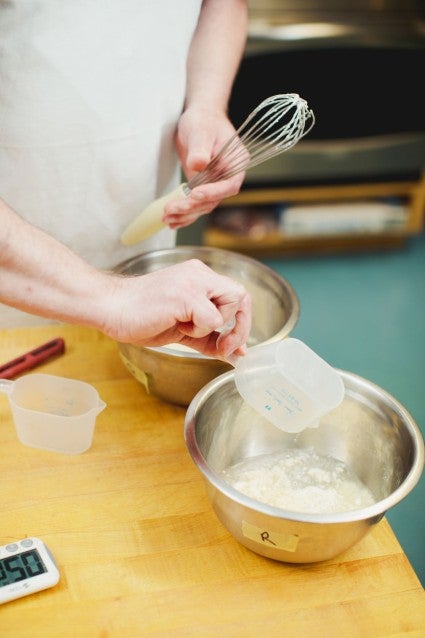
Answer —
(53, 413)
(288, 383)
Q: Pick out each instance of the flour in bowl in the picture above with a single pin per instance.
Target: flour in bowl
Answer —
(300, 480)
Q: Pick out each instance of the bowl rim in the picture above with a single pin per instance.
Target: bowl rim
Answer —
(377, 510)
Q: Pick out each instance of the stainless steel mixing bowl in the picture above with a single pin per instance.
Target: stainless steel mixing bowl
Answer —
(370, 432)
(175, 375)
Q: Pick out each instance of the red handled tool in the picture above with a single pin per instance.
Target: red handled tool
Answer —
(32, 358)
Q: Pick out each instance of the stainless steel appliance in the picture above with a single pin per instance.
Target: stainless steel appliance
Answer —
(360, 64)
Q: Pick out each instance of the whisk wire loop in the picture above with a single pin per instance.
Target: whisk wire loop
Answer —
(276, 125)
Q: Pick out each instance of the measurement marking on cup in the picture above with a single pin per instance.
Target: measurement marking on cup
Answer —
(287, 542)
(283, 399)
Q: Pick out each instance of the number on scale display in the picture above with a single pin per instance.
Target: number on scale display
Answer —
(21, 566)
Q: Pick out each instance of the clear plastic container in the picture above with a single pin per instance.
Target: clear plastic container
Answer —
(288, 383)
(53, 413)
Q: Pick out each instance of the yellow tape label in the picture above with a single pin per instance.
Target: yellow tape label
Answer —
(137, 374)
(287, 542)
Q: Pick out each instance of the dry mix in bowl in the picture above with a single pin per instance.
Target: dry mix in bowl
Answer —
(300, 480)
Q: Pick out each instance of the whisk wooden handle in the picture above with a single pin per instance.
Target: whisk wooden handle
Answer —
(149, 221)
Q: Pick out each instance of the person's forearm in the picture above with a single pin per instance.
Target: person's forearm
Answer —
(216, 52)
(41, 276)
(185, 302)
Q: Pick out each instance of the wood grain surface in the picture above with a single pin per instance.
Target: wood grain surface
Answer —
(139, 549)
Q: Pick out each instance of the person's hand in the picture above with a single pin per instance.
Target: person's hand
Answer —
(200, 135)
(185, 303)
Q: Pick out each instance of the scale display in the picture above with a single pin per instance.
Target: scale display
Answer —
(26, 566)
(21, 566)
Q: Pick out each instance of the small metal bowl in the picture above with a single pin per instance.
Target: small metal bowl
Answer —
(369, 431)
(176, 375)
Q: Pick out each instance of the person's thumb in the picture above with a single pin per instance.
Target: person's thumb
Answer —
(199, 151)
(197, 160)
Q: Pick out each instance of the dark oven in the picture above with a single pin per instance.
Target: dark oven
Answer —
(360, 64)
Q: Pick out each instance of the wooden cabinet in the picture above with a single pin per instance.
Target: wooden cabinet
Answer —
(410, 194)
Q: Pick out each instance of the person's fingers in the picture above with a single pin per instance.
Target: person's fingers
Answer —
(214, 191)
(201, 201)
(188, 303)
(234, 340)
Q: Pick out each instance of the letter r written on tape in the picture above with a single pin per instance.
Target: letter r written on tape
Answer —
(265, 537)
(287, 542)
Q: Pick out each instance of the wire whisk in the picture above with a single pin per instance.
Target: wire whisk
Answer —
(273, 127)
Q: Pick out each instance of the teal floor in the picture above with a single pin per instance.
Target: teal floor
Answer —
(366, 314)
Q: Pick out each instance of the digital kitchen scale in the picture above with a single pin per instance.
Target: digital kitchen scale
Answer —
(26, 566)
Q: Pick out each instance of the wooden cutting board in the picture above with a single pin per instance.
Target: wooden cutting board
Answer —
(139, 549)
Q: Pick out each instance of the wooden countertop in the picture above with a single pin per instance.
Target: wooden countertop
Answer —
(140, 550)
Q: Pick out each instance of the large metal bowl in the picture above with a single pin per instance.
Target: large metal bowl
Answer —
(370, 432)
(176, 375)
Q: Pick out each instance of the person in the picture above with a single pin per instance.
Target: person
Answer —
(101, 104)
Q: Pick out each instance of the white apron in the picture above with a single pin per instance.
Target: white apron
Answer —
(90, 93)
